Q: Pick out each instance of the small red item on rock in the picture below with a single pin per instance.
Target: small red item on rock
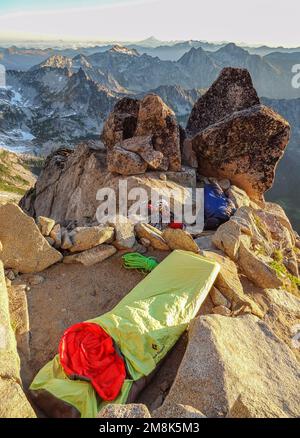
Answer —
(87, 351)
(176, 225)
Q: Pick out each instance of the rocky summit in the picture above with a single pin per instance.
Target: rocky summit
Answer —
(238, 357)
(233, 88)
(148, 117)
(237, 138)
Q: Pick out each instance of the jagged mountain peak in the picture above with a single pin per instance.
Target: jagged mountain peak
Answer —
(123, 50)
(56, 61)
(80, 57)
(81, 74)
(150, 42)
(193, 53)
(233, 49)
(81, 60)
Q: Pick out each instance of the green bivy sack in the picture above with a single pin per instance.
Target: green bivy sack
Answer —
(145, 325)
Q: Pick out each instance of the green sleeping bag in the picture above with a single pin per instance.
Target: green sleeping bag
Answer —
(145, 325)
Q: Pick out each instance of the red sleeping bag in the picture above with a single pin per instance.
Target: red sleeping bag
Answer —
(87, 351)
(176, 225)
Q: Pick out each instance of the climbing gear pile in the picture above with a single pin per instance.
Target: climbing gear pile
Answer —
(138, 261)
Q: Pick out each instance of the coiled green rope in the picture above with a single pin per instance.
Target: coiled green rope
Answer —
(138, 261)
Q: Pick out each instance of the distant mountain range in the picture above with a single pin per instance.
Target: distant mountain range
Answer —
(166, 50)
(65, 99)
(173, 52)
(24, 57)
(124, 70)
(59, 106)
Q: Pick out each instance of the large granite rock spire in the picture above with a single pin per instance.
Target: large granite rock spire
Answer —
(235, 137)
(136, 120)
(245, 148)
(157, 119)
(232, 91)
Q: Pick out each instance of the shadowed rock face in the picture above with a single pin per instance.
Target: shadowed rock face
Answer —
(235, 137)
(245, 148)
(121, 123)
(232, 91)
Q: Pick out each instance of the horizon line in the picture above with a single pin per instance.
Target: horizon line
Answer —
(69, 39)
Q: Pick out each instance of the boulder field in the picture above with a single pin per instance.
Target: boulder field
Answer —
(240, 356)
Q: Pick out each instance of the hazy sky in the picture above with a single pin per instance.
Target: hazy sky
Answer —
(252, 21)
